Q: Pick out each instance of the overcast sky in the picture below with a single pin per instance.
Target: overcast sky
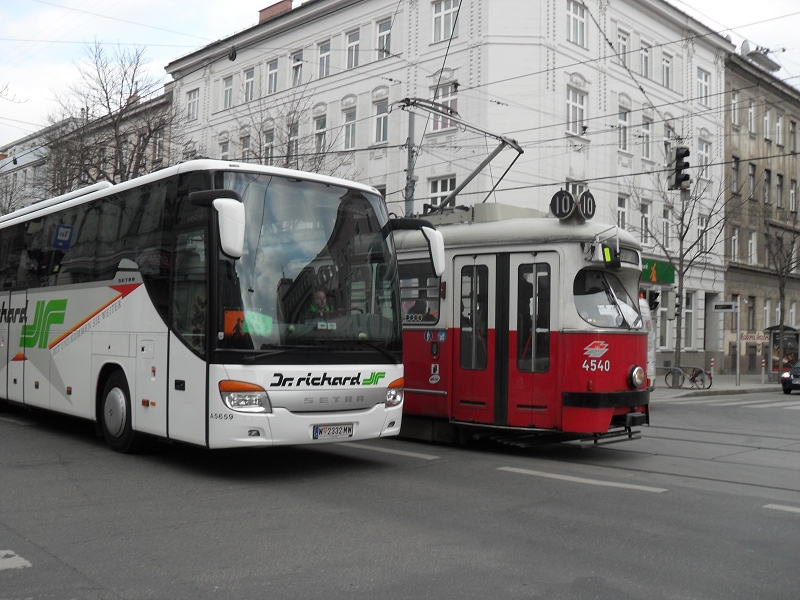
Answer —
(40, 40)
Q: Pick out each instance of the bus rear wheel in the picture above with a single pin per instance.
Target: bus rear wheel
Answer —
(116, 414)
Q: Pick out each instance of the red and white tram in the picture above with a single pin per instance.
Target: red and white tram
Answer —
(533, 328)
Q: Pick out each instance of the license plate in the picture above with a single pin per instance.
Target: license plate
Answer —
(333, 431)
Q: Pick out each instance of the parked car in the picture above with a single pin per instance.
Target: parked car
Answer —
(790, 380)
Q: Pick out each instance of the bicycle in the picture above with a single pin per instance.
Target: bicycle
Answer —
(700, 378)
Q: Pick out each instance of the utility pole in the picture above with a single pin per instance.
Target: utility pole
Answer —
(409, 193)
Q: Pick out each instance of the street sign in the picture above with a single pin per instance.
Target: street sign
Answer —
(725, 307)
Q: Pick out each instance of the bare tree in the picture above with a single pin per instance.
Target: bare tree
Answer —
(115, 122)
(781, 237)
(282, 130)
(697, 218)
(13, 194)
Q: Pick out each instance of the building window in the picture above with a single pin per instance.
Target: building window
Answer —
(320, 126)
(751, 116)
(445, 20)
(292, 155)
(644, 56)
(297, 69)
(441, 188)
(158, 148)
(703, 157)
(224, 150)
(735, 108)
(622, 48)
(688, 319)
(793, 136)
(350, 130)
(646, 138)
(702, 233)
(665, 229)
(192, 103)
(767, 310)
(779, 191)
(667, 143)
(249, 84)
(735, 175)
(384, 39)
(576, 23)
(269, 147)
(622, 125)
(244, 148)
(272, 77)
(666, 71)
(752, 256)
(751, 181)
(622, 211)
(751, 313)
(793, 314)
(793, 195)
(735, 244)
(576, 111)
(576, 188)
(767, 125)
(767, 185)
(352, 49)
(324, 59)
(381, 122)
(227, 92)
(703, 84)
(779, 130)
(446, 96)
(644, 223)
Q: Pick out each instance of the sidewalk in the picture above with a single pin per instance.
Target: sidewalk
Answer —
(723, 384)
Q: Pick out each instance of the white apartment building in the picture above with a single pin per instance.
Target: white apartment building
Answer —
(592, 90)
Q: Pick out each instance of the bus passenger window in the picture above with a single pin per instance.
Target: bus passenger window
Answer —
(533, 308)
(474, 317)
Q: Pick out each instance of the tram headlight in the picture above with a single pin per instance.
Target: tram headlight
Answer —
(244, 397)
(635, 377)
(394, 395)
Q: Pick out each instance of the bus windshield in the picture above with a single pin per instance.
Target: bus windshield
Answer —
(602, 301)
(318, 265)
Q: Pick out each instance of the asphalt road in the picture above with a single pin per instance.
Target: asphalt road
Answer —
(705, 505)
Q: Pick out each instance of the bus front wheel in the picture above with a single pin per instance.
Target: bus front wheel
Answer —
(116, 414)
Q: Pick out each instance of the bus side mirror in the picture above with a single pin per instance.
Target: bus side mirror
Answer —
(230, 216)
(436, 248)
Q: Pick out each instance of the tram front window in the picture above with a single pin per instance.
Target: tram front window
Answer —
(602, 301)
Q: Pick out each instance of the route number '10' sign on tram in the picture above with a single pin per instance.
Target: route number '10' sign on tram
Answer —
(563, 204)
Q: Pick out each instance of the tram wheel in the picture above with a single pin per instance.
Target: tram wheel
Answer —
(116, 414)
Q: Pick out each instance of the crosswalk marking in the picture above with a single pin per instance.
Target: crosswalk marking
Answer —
(763, 403)
(11, 560)
(783, 404)
(781, 507)
(389, 450)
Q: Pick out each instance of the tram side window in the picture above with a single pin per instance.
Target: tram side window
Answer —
(474, 323)
(419, 291)
(533, 318)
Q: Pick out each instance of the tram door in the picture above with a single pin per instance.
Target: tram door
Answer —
(474, 318)
(533, 394)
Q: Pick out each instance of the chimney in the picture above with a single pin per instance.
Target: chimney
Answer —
(276, 9)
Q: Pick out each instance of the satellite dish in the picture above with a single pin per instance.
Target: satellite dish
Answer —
(745, 49)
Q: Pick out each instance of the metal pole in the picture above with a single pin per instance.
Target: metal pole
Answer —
(738, 334)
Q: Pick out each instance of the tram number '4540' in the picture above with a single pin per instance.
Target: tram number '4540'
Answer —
(596, 365)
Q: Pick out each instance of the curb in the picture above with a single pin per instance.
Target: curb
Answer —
(723, 392)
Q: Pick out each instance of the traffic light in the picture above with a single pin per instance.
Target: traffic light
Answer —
(652, 300)
(678, 177)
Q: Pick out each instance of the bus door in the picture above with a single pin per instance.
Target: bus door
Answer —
(473, 324)
(533, 392)
(187, 339)
(18, 301)
(5, 302)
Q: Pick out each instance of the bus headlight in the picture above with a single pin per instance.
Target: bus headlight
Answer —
(394, 395)
(636, 377)
(244, 397)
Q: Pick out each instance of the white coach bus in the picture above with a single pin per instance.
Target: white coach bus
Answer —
(212, 303)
